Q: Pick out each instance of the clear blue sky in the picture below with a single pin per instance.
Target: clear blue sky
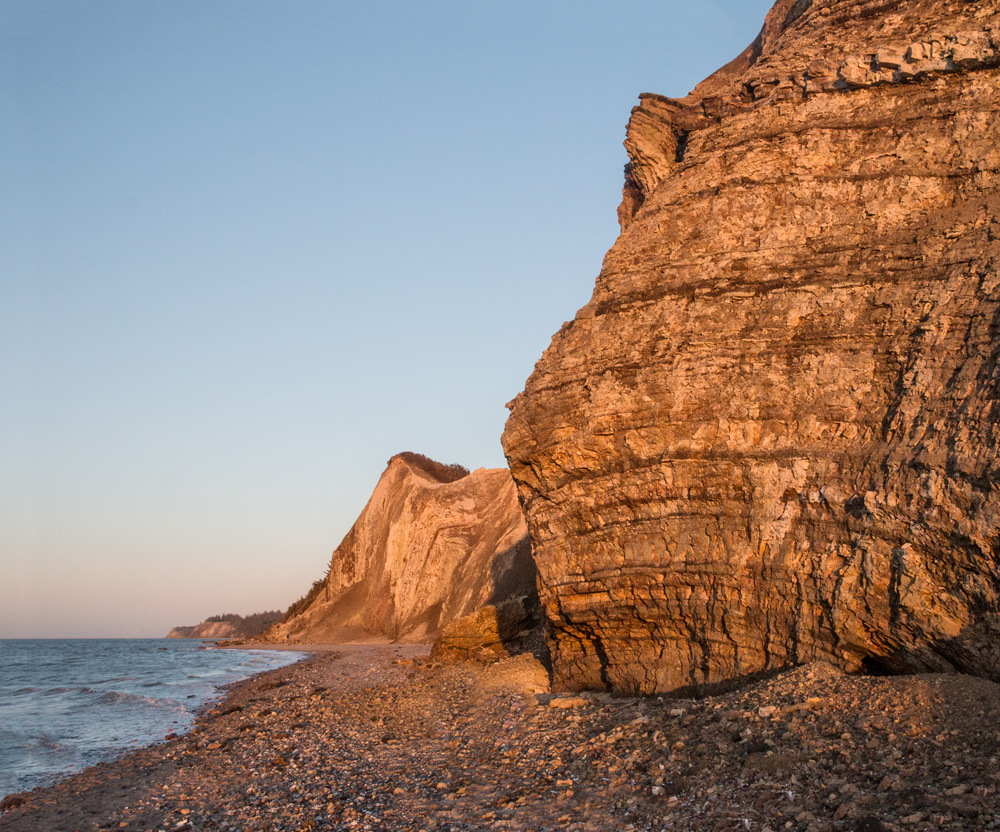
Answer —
(250, 250)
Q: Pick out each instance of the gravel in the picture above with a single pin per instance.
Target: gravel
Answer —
(381, 738)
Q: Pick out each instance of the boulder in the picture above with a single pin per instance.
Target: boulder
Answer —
(507, 628)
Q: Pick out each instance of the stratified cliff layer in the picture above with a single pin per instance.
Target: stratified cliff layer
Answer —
(771, 435)
(425, 550)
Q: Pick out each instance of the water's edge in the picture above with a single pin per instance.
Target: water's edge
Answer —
(36, 777)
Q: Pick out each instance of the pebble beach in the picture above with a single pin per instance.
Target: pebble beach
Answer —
(379, 737)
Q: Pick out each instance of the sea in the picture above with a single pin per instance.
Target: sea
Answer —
(70, 703)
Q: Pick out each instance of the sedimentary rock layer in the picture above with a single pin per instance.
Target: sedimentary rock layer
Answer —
(426, 549)
(771, 435)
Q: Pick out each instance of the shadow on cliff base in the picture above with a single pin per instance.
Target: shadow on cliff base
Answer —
(974, 652)
(525, 632)
(511, 623)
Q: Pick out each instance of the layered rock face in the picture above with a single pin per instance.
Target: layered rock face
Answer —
(426, 549)
(771, 435)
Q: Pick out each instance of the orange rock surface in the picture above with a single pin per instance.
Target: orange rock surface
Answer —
(426, 549)
(771, 435)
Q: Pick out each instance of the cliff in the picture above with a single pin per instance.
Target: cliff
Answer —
(771, 435)
(215, 629)
(207, 629)
(229, 625)
(430, 546)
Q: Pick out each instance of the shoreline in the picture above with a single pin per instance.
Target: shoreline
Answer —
(120, 696)
(88, 791)
(285, 647)
(379, 737)
(157, 737)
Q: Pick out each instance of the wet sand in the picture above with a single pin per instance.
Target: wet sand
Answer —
(377, 737)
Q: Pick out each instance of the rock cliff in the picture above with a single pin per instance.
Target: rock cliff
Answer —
(430, 546)
(771, 435)
(207, 629)
(215, 629)
(229, 625)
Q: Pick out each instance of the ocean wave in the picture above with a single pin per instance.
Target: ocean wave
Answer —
(49, 742)
(29, 746)
(69, 704)
(11, 738)
(119, 697)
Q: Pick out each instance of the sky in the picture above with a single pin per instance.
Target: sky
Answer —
(250, 250)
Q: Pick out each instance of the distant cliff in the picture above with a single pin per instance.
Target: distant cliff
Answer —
(433, 543)
(772, 434)
(229, 625)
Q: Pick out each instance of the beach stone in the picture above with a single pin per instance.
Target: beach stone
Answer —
(568, 702)
(869, 823)
(12, 801)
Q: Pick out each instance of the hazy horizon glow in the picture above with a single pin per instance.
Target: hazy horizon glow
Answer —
(249, 252)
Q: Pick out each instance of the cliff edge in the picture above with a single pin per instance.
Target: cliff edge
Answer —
(771, 435)
(434, 543)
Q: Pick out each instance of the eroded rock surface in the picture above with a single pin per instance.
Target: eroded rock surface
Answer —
(427, 548)
(771, 435)
(510, 627)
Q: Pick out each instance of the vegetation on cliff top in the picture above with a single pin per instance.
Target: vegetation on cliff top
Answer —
(303, 603)
(248, 626)
(433, 468)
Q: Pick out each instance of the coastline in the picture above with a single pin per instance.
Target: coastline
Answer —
(379, 737)
(286, 647)
(79, 800)
(66, 704)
